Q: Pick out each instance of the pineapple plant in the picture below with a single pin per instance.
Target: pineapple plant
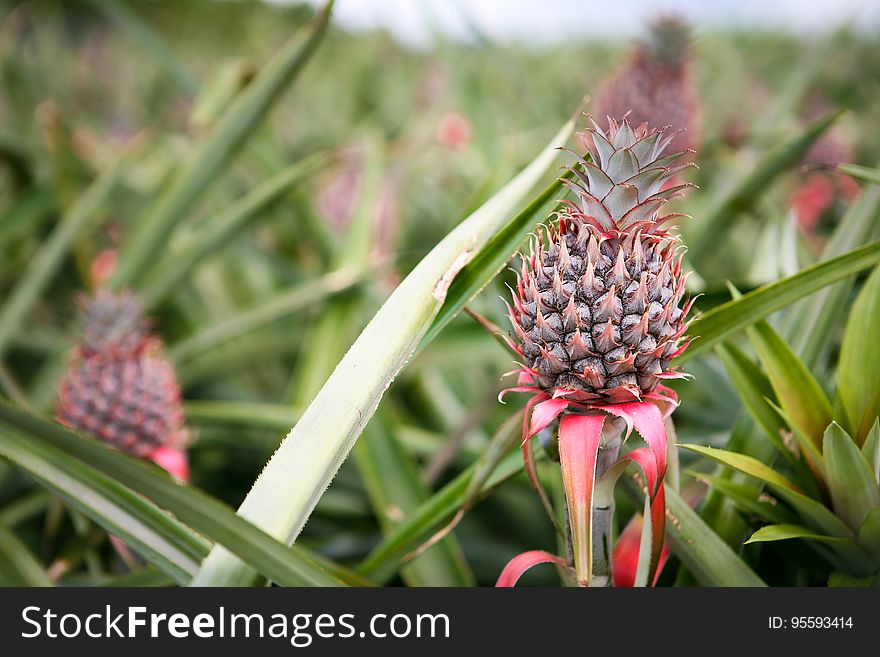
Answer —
(120, 388)
(599, 314)
(655, 84)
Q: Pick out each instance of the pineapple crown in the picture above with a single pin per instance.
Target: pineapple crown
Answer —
(668, 43)
(113, 324)
(625, 186)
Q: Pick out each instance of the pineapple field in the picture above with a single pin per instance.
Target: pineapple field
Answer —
(284, 303)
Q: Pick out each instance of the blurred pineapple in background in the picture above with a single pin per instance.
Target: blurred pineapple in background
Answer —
(656, 85)
(119, 387)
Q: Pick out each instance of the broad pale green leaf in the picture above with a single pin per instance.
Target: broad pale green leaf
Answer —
(287, 490)
(729, 318)
(812, 512)
(858, 369)
(854, 492)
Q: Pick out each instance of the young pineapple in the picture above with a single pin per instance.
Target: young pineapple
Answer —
(119, 387)
(655, 85)
(598, 309)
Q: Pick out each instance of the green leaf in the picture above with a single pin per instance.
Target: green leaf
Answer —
(210, 158)
(869, 533)
(851, 482)
(50, 256)
(754, 390)
(211, 518)
(158, 537)
(812, 456)
(798, 392)
(845, 554)
(729, 318)
(208, 239)
(858, 370)
(721, 216)
(313, 451)
(18, 567)
(813, 512)
(786, 532)
(862, 173)
(396, 493)
(700, 550)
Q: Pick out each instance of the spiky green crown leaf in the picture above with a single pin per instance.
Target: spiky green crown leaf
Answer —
(622, 189)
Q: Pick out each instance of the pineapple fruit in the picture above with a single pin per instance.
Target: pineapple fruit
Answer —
(599, 308)
(120, 388)
(655, 85)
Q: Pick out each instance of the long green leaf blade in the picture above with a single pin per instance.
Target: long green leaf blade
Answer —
(213, 519)
(162, 540)
(729, 318)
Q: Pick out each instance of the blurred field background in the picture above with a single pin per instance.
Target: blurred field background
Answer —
(398, 145)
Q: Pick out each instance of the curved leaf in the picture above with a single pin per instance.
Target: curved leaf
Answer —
(517, 566)
(786, 532)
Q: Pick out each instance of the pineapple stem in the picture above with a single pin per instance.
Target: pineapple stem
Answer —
(603, 519)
